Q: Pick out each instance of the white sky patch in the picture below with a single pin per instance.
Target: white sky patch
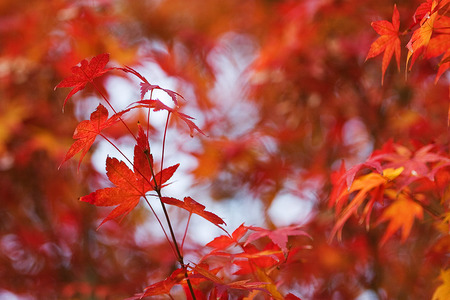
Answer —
(288, 209)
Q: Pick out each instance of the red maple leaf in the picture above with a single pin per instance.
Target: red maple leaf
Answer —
(193, 207)
(221, 286)
(225, 241)
(278, 236)
(129, 186)
(157, 105)
(388, 42)
(161, 287)
(127, 193)
(146, 86)
(87, 130)
(85, 73)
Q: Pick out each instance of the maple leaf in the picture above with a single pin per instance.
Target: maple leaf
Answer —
(129, 186)
(222, 287)
(364, 185)
(416, 164)
(127, 193)
(421, 37)
(193, 207)
(143, 160)
(158, 105)
(161, 287)
(443, 291)
(85, 73)
(388, 42)
(440, 44)
(279, 236)
(401, 214)
(270, 256)
(86, 132)
(146, 86)
(224, 241)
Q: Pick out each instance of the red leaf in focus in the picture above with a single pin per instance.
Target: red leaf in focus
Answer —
(164, 287)
(278, 236)
(85, 73)
(143, 160)
(224, 241)
(388, 42)
(163, 176)
(194, 207)
(130, 186)
(87, 131)
(127, 193)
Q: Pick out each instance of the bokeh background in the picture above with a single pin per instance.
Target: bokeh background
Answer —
(283, 93)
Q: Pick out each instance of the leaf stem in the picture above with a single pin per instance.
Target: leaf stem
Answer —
(164, 145)
(148, 115)
(160, 224)
(185, 231)
(169, 224)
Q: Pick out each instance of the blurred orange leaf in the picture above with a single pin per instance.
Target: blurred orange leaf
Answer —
(400, 214)
(388, 42)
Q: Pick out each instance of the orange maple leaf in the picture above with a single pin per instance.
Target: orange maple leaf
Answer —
(389, 41)
(364, 185)
(431, 22)
(400, 214)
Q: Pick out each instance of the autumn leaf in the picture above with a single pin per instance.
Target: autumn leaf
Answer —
(440, 45)
(388, 42)
(363, 185)
(146, 86)
(400, 214)
(129, 186)
(279, 236)
(225, 241)
(266, 258)
(193, 207)
(143, 160)
(127, 192)
(85, 73)
(421, 37)
(222, 286)
(87, 131)
(162, 287)
(157, 105)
